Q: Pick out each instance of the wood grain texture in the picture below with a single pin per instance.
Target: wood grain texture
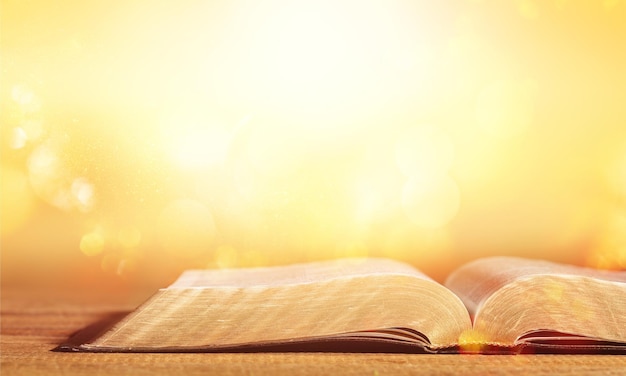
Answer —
(36, 321)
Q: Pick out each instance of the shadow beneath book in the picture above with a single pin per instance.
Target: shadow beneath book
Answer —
(88, 333)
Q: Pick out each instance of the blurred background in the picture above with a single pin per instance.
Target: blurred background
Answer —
(141, 138)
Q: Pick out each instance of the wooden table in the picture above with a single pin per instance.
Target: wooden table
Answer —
(34, 321)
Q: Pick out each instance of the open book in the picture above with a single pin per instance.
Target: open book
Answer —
(498, 304)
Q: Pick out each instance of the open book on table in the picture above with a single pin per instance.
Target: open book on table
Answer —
(498, 304)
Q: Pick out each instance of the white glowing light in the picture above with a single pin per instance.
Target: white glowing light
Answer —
(201, 149)
(431, 203)
(375, 194)
(19, 138)
(83, 192)
(505, 108)
(194, 143)
(425, 150)
(33, 129)
(43, 160)
(369, 202)
(48, 176)
(52, 181)
(272, 150)
(328, 56)
(22, 95)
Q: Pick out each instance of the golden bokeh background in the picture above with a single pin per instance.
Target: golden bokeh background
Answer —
(140, 138)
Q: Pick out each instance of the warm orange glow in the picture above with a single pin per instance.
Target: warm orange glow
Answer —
(472, 341)
(18, 201)
(140, 138)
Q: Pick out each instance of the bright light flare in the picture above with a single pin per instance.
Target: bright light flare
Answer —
(83, 194)
(375, 197)
(128, 116)
(430, 198)
(201, 148)
(22, 95)
(19, 137)
(505, 108)
(424, 150)
(52, 180)
(431, 203)
(195, 144)
(305, 58)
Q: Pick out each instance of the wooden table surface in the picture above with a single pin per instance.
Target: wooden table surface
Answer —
(34, 321)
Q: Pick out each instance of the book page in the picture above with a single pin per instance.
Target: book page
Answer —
(225, 309)
(511, 298)
(476, 281)
(295, 273)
